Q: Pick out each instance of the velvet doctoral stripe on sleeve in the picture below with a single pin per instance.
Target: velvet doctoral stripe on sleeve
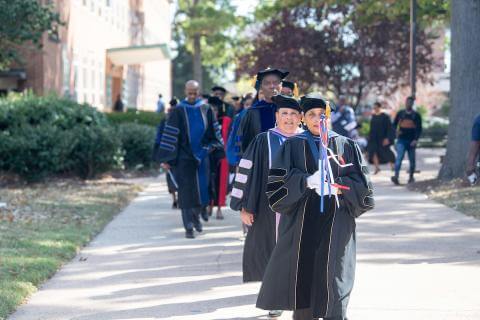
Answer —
(287, 183)
(251, 176)
(169, 141)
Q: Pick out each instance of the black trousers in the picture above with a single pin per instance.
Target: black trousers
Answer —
(191, 218)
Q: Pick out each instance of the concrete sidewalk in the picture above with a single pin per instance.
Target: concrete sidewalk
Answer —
(416, 260)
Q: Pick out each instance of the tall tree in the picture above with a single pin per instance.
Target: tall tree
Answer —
(23, 22)
(183, 71)
(206, 27)
(465, 80)
(340, 46)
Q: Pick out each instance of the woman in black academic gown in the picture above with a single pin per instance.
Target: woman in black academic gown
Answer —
(311, 269)
(380, 138)
(249, 189)
(250, 186)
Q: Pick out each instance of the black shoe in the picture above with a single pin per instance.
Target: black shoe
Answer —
(189, 234)
(273, 314)
(395, 180)
(204, 215)
(175, 205)
(199, 228)
(411, 180)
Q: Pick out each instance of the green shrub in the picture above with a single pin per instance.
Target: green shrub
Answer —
(436, 132)
(423, 111)
(42, 136)
(35, 152)
(134, 116)
(96, 150)
(137, 143)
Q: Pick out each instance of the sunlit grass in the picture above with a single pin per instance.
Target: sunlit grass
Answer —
(454, 194)
(45, 226)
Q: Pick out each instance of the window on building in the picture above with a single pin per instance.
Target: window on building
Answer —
(107, 3)
(85, 78)
(93, 86)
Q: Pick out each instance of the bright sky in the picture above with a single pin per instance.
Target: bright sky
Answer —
(245, 7)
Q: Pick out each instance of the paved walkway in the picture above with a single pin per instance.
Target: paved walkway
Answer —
(417, 260)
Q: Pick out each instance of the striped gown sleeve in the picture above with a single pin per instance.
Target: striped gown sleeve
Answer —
(169, 142)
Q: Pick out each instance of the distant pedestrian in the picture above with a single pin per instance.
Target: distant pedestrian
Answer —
(160, 104)
(408, 125)
(237, 104)
(380, 138)
(247, 101)
(220, 92)
(118, 106)
(343, 120)
(219, 169)
(474, 152)
(288, 88)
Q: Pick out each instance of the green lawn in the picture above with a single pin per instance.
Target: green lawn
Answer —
(45, 226)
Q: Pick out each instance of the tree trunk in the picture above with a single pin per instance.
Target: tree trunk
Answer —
(197, 61)
(465, 80)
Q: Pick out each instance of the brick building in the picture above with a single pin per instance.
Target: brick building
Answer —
(106, 48)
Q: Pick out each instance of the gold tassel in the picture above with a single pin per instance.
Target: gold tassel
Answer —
(295, 90)
(254, 81)
(328, 109)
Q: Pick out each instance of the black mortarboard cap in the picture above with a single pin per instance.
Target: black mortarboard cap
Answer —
(314, 100)
(288, 84)
(215, 101)
(261, 74)
(283, 101)
(219, 88)
(173, 102)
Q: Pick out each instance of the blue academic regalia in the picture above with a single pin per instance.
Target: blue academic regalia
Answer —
(258, 118)
(190, 134)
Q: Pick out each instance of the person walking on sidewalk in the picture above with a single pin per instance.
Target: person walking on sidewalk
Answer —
(319, 182)
(190, 135)
(380, 138)
(408, 124)
(219, 168)
(250, 187)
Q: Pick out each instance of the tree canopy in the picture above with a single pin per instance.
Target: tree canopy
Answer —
(208, 29)
(24, 21)
(342, 46)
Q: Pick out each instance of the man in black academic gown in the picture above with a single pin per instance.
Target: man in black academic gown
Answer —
(261, 115)
(190, 135)
(319, 183)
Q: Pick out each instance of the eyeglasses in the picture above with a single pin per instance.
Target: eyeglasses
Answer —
(290, 114)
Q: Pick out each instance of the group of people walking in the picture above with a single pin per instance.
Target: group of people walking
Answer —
(298, 186)
(406, 129)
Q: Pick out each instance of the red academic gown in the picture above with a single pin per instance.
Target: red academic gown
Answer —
(224, 167)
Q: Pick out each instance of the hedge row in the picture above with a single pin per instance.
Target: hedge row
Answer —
(134, 116)
(45, 136)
